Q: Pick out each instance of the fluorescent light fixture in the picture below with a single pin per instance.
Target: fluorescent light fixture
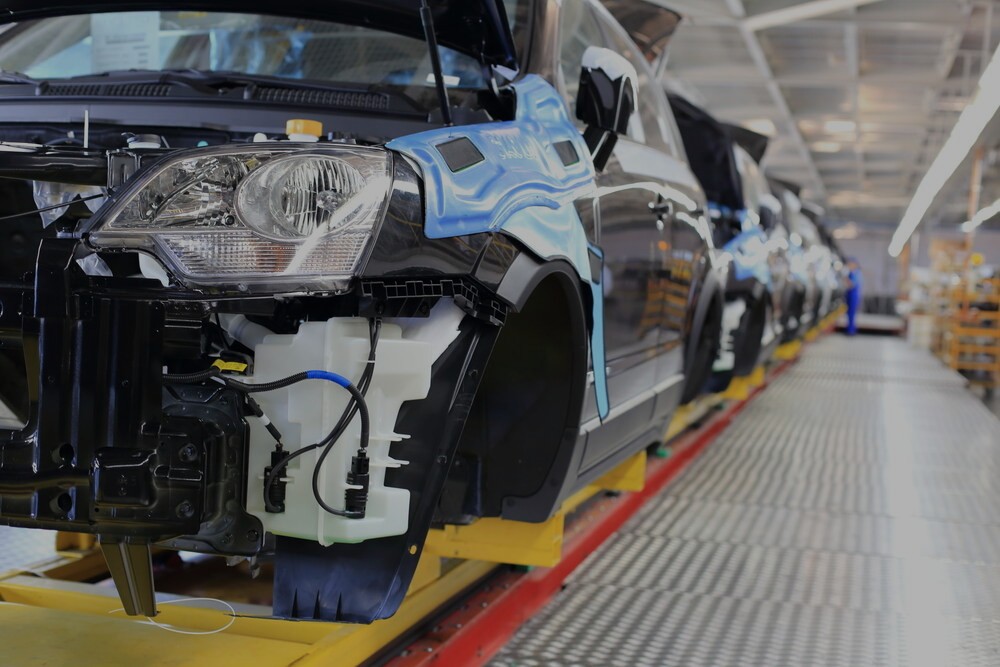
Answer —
(801, 12)
(839, 126)
(963, 137)
(826, 147)
(763, 126)
(982, 216)
(847, 232)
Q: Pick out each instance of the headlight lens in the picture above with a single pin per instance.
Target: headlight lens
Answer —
(288, 216)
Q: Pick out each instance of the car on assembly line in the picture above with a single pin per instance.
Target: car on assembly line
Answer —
(804, 295)
(826, 262)
(297, 281)
(736, 188)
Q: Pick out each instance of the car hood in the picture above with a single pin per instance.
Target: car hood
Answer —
(709, 149)
(650, 24)
(753, 143)
(478, 28)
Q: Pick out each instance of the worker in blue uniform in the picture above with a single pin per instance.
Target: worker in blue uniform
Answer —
(853, 296)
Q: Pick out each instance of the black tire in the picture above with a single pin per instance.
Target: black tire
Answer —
(707, 348)
(753, 340)
(795, 306)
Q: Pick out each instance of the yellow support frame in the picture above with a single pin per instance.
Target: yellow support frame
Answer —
(90, 621)
(90, 625)
(741, 387)
(533, 544)
(788, 351)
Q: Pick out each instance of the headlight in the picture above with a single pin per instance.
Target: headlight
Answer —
(288, 216)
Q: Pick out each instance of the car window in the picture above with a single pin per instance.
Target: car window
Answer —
(578, 30)
(292, 48)
(650, 125)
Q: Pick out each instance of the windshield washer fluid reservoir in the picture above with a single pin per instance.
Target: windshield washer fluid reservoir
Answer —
(305, 413)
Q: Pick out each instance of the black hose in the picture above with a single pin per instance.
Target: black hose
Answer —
(355, 407)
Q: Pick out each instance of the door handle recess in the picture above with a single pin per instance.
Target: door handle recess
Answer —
(662, 207)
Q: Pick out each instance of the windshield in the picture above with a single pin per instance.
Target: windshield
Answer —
(252, 44)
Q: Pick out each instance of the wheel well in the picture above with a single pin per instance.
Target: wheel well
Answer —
(528, 402)
(698, 364)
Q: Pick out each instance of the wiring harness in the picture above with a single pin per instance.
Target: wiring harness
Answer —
(356, 495)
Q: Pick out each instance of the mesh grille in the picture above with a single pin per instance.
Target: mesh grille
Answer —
(97, 89)
(73, 89)
(329, 98)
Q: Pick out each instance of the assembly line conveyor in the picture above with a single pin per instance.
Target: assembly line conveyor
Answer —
(846, 515)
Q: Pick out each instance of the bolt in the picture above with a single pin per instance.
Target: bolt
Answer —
(252, 535)
(188, 453)
(185, 510)
(442, 459)
(226, 539)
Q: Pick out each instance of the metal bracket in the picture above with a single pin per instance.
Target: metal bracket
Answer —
(131, 567)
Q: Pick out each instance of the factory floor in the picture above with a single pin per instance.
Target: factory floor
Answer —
(850, 516)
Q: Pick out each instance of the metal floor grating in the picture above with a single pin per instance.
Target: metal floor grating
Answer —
(849, 516)
(23, 547)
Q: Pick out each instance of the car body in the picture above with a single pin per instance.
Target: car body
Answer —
(736, 190)
(827, 263)
(804, 293)
(520, 287)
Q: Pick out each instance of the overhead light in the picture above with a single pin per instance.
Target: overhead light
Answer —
(839, 126)
(826, 147)
(763, 126)
(847, 232)
(982, 216)
(963, 137)
(801, 12)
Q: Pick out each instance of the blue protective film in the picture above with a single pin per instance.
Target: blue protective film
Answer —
(750, 256)
(522, 187)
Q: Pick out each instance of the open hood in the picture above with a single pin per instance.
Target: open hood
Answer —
(477, 28)
(709, 147)
(650, 25)
(753, 143)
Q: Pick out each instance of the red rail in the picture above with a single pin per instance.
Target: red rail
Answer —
(472, 634)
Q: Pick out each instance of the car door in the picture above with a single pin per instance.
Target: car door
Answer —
(633, 231)
(658, 159)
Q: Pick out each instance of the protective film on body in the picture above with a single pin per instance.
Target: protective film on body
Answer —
(534, 169)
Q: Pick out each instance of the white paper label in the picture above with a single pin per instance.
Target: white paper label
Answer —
(125, 40)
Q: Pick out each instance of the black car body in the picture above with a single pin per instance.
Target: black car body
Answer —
(520, 292)
(732, 180)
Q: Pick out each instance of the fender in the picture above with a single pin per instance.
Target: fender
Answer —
(749, 257)
(521, 177)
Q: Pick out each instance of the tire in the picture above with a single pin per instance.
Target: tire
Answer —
(753, 340)
(698, 375)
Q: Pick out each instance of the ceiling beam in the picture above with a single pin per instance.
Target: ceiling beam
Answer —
(759, 58)
(852, 49)
(801, 12)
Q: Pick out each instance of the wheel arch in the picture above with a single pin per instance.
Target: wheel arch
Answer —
(516, 450)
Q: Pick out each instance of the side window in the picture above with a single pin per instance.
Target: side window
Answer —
(578, 29)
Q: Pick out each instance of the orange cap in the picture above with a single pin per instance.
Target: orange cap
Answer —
(313, 128)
